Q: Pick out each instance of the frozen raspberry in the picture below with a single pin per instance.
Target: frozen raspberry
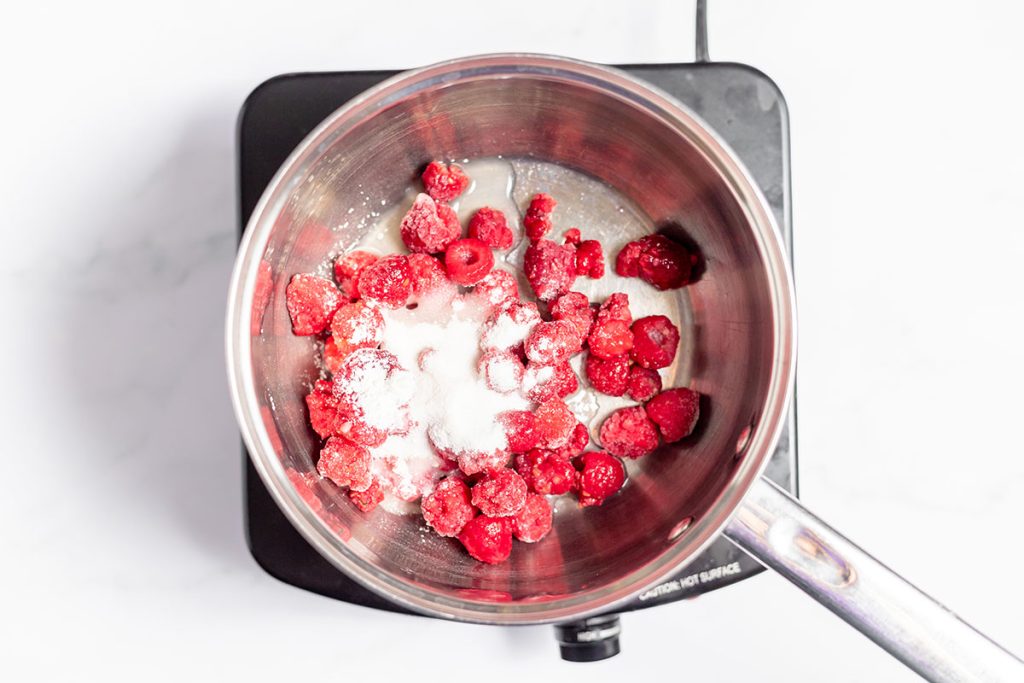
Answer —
(628, 433)
(373, 390)
(610, 339)
(576, 444)
(502, 370)
(325, 416)
(600, 476)
(398, 480)
(655, 340)
(450, 218)
(545, 472)
(550, 268)
(311, 301)
(488, 539)
(627, 263)
(575, 308)
(537, 220)
(555, 423)
(544, 382)
(502, 493)
(520, 430)
(615, 307)
(444, 182)
(345, 463)
(427, 273)
(664, 263)
(496, 287)
(490, 227)
(387, 281)
(347, 268)
(590, 259)
(468, 261)
(611, 335)
(675, 411)
(332, 355)
(356, 326)
(608, 375)
(368, 499)
(509, 325)
(447, 508)
(643, 383)
(261, 297)
(470, 462)
(533, 522)
(572, 236)
(425, 229)
(552, 342)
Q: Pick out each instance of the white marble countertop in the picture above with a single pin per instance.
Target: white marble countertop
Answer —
(121, 514)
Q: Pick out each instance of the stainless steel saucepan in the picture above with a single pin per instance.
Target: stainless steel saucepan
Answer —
(654, 150)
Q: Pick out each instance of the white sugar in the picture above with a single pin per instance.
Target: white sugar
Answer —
(450, 403)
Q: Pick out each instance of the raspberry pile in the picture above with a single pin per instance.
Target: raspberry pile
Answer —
(490, 475)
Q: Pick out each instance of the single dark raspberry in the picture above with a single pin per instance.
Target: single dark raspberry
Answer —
(387, 281)
(444, 182)
(574, 307)
(627, 263)
(555, 423)
(544, 382)
(600, 475)
(345, 464)
(534, 521)
(520, 430)
(675, 411)
(427, 273)
(545, 472)
(490, 227)
(643, 383)
(590, 259)
(488, 539)
(356, 326)
(425, 230)
(347, 268)
(502, 493)
(572, 236)
(537, 220)
(664, 263)
(497, 287)
(468, 261)
(628, 433)
(311, 301)
(550, 268)
(369, 499)
(552, 342)
(608, 375)
(655, 340)
(502, 370)
(447, 508)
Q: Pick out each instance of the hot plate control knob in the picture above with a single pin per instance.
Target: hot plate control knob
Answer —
(589, 640)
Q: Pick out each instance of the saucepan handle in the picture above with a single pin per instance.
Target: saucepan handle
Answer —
(783, 535)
